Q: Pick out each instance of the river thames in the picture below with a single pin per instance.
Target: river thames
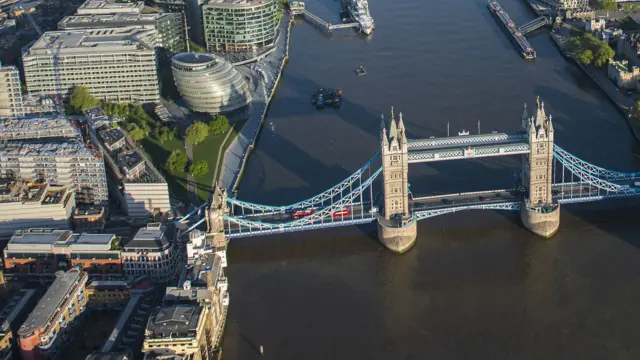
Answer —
(477, 285)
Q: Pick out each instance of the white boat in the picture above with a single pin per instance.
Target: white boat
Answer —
(463, 133)
(359, 11)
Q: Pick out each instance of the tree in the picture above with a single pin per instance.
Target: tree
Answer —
(585, 56)
(219, 125)
(608, 5)
(81, 99)
(197, 132)
(135, 132)
(603, 54)
(176, 162)
(163, 134)
(199, 168)
(195, 47)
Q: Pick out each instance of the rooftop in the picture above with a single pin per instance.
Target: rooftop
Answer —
(129, 160)
(50, 149)
(150, 237)
(48, 305)
(192, 58)
(101, 6)
(174, 321)
(237, 2)
(94, 41)
(37, 240)
(111, 136)
(37, 128)
(119, 19)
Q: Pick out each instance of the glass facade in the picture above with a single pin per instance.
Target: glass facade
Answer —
(209, 84)
(232, 27)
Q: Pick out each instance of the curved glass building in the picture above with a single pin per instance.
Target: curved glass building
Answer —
(239, 25)
(209, 83)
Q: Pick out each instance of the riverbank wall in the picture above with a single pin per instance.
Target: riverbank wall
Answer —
(263, 115)
(623, 103)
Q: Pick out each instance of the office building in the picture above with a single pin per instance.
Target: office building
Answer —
(56, 311)
(116, 65)
(142, 190)
(239, 25)
(209, 83)
(25, 205)
(150, 253)
(88, 218)
(567, 4)
(101, 7)
(11, 317)
(36, 252)
(69, 163)
(170, 27)
(10, 92)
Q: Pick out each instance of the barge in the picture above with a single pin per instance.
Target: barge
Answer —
(516, 36)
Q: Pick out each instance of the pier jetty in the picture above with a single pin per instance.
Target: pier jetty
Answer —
(517, 34)
(298, 8)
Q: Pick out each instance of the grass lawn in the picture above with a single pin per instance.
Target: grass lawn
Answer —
(159, 153)
(208, 151)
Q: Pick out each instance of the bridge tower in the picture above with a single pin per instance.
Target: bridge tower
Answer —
(539, 213)
(397, 227)
(215, 221)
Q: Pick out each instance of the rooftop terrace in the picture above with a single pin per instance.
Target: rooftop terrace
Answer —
(44, 240)
(94, 41)
(101, 6)
(38, 127)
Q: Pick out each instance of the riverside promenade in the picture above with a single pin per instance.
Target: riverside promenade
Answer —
(265, 74)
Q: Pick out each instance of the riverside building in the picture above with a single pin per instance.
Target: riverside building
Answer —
(116, 64)
(568, 4)
(56, 311)
(209, 83)
(239, 25)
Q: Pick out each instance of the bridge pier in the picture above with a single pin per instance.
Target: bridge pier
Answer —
(397, 236)
(543, 224)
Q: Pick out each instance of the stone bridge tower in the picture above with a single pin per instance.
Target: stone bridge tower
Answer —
(397, 228)
(539, 213)
(215, 218)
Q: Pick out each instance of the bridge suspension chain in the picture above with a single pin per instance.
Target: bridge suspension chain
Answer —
(585, 175)
(312, 201)
(597, 171)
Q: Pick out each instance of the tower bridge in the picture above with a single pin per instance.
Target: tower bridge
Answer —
(379, 190)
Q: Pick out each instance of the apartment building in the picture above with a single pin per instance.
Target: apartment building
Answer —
(170, 27)
(100, 7)
(25, 205)
(68, 162)
(142, 190)
(37, 252)
(116, 64)
(11, 317)
(239, 25)
(150, 253)
(10, 92)
(56, 311)
(44, 127)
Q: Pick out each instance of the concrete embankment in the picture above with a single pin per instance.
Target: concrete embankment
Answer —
(269, 70)
(623, 103)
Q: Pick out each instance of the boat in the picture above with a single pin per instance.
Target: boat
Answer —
(463, 133)
(327, 98)
(320, 101)
(359, 12)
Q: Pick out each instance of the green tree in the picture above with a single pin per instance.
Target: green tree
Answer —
(218, 125)
(81, 99)
(176, 162)
(603, 54)
(199, 168)
(585, 56)
(135, 132)
(195, 47)
(163, 134)
(608, 5)
(197, 132)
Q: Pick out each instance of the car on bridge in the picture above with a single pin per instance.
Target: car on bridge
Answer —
(447, 201)
(483, 198)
